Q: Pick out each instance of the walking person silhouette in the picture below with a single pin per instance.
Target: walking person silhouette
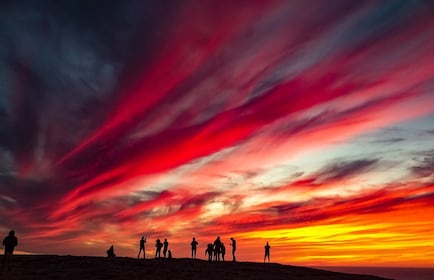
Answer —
(267, 252)
(193, 244)
(9, 242)
(142, 248)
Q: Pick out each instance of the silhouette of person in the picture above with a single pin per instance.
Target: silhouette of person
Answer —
(9, 242)
(169, 254)
(165, 244)
(158, 246)
(209, 251)
(267, 252)
(194, 244)
(234, 248)
(111, 252)
(217, 248)
(142, 247)
(223, 249)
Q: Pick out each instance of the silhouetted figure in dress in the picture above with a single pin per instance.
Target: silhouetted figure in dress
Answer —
(217, 249)
(267, 252)
(234, 248)
(209, 251)
(165, 244)
(142, 247)
(158, 246)
(194, 244)
(9, 242)
(169, 254)
(111, 252)
(223, 249)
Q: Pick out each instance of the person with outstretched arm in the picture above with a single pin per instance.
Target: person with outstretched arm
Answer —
(142, 247)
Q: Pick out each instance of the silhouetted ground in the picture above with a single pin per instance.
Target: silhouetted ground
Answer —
(70, 267)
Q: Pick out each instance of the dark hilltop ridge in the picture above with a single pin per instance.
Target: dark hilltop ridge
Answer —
(74, 267)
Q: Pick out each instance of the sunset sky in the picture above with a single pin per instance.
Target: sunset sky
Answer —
(307, 124)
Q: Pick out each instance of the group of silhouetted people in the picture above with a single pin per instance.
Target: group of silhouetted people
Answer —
(158, 246)
(215, 251)
(164, 245)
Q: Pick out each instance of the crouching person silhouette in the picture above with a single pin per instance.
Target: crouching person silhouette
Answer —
(111, 252)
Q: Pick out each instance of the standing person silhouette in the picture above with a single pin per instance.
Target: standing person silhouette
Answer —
(166, 244)
(194, 244)
(234, 248)
(158, 246)
(267, 252)
(223, 249)
(142, 248)
(9, 242)
(217, 248)
(209, 251)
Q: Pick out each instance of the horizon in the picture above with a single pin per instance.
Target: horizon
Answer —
(152, 257)
(308, 126)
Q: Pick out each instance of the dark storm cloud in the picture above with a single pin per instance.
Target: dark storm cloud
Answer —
(61, 65)
(64, 60)
(23, 126)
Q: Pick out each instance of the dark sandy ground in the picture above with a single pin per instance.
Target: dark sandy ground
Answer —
(71, 267)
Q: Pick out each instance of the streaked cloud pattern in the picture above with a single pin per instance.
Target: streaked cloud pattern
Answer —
(305, 124)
